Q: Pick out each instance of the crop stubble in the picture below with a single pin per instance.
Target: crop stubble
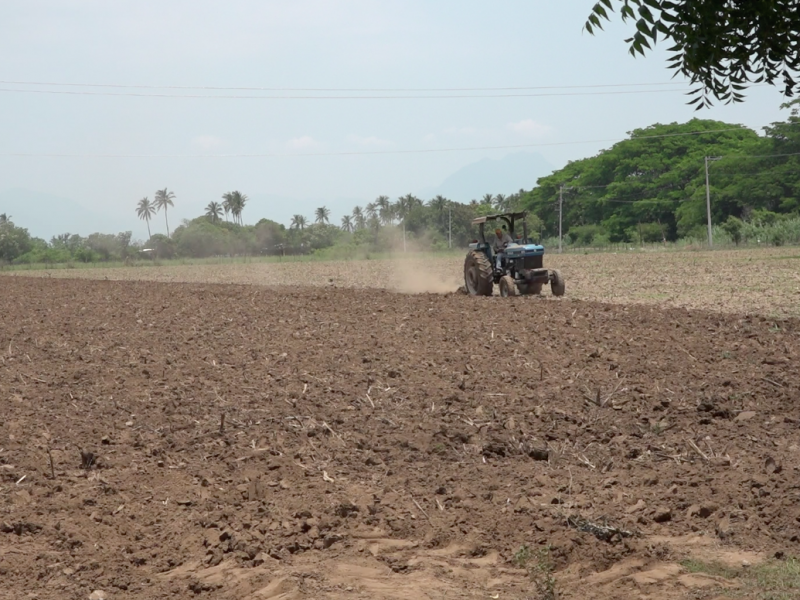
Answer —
(381, 445)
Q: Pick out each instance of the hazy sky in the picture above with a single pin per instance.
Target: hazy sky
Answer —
(309, 44)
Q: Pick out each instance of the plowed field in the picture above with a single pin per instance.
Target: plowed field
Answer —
(762, 281)
(166, 440)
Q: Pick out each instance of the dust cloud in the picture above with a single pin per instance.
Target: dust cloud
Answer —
(417, 276)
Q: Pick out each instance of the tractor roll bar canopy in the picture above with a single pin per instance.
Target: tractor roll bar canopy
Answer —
(487, 218)
(508, 218)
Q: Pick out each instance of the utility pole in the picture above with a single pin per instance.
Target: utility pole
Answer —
(708, 208)
(450, 227)
(560, 215)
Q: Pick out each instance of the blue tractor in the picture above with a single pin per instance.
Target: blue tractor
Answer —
(510, 260)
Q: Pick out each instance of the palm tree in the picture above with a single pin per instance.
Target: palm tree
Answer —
(5, 219)
(145, 211)
(163, 199)
(487, 199)
(226, 203)
(321, 215)
(298, 222)
(358, 218)
(214, 211)
(371, 210)
(233, 202)
(439, 203)
(439, 206)
(402, 208)
(385, 212)
(347, 224)
(405, 205)
(238, 200)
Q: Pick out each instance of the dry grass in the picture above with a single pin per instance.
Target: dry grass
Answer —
(772, 580)
(762, 281)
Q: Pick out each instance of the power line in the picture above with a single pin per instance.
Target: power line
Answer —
(643, 196)
(404, 97)
(644, 200)
(365, 153)
(288, 89)
(756, 155)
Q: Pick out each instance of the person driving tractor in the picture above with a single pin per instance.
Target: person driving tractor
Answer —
(501, 240)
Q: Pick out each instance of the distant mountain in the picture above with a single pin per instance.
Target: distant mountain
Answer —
(489, 176)
(45, 215)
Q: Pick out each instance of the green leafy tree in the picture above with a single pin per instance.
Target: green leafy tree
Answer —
(722, 46)
(70, 243)
(145, 210)
(14, 241)
(107, 246)
(163, 201)
(321, 235)
(201, 238)
(270, 237)
(733, 227)
(162, 246)
(656, 176)
(535, 227)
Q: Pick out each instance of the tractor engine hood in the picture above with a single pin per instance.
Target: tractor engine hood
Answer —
(524, 250)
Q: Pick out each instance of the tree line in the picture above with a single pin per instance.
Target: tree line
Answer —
(408, 223)
(651, 187)
(378, 227)
(648, 188)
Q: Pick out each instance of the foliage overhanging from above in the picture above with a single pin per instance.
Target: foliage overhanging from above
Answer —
(722, 46)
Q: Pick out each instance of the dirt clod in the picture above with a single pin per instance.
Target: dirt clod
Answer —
(662, 515)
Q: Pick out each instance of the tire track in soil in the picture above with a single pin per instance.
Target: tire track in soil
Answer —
(380, 445)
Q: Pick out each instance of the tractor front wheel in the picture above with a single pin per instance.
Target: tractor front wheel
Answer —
(557, 283)
(478, 274)
(508, 287)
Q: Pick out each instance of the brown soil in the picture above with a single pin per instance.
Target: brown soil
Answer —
(379, 445)
(746, 281)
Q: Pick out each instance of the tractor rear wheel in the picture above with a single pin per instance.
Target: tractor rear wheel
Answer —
(508, 287)
(478, 274)
(558, 285)
(527, 289)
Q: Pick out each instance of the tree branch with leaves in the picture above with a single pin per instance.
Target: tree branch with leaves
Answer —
(722, 46)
